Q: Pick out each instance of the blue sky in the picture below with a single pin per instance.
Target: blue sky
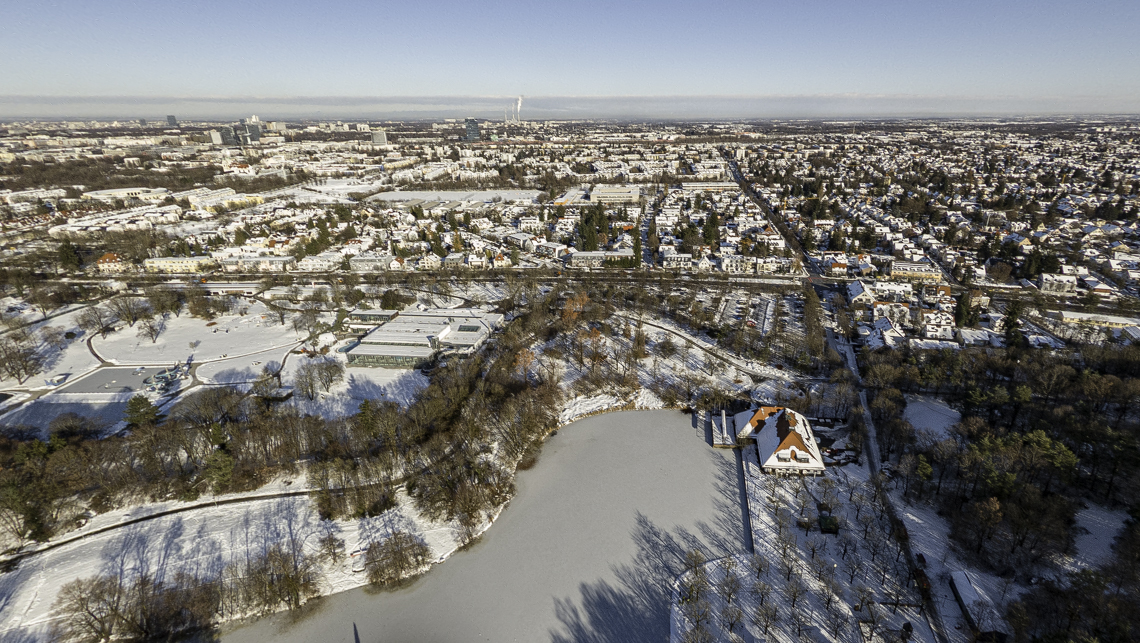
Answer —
(723, 58)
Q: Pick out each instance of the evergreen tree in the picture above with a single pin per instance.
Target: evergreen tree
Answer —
(141, 411)
(962, 310)
(589, 233)
(68, 256)
(711, 232)
(1012, 324)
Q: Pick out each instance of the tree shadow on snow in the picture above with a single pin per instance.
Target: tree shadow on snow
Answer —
(636, 607)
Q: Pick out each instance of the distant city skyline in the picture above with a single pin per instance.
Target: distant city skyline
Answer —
(727, 59)
(541, 108)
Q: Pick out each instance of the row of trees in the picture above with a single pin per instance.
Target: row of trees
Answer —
(134, 606)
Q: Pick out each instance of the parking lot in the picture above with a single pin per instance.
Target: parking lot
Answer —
(115, 379)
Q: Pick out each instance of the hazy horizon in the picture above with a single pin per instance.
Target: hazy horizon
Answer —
(540, 108)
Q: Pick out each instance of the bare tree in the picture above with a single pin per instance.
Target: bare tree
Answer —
(328, 372)
(164, 300)
(44, 300)
(97, 319)
(54, 336)
(88, 610)
(816, 545)
(697, 634)
(758, 564)
(19, 360)
(305, 381)
(800, 619)
(395, 558)
(794, 590)
(307, 320)
(765, 616)
(728, 586)
(283, 574)
(697, 611)
(14, 509)
(836, 621)
(852, 567)
(152, 327)
(760, 591)
(731, 616)
(129, 309)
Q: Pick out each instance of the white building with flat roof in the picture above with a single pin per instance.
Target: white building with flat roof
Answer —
(126, 194)
(615, 194)
(178, 265)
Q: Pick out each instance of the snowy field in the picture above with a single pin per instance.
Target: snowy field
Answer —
(343, 187)
(483, 291)
(359, 384)
(243, 369)
(201, 541)
(932, 415)
(315, 194)
(73, 360)
(229, 336)
(1097, 527)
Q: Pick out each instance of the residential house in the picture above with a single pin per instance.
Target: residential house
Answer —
(783, 439)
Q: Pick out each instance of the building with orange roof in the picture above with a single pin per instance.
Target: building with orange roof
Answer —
(783, 438)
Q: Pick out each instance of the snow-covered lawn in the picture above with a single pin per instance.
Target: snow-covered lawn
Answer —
(201, 541)
(229, 336)
(359, 384)
(243, 369)
(931, 414)
(73, 360)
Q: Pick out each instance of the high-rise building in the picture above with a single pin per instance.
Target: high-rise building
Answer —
(227, 133)
(248, 133)
(472, 129)
(142, 122)
(379, 137)
(171, 121)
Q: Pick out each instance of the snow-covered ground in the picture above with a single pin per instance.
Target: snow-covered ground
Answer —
(931, 414)
(930, 536)
(243, 369)
(229, 336)
(483, 291)
(331, 193)
(73, 360)
(1097, 528)
(768, 499)
(202, 542)
(342, 187)
(359, 384)
(583, 405)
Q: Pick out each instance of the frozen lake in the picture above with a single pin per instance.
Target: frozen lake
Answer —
(584, 552)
